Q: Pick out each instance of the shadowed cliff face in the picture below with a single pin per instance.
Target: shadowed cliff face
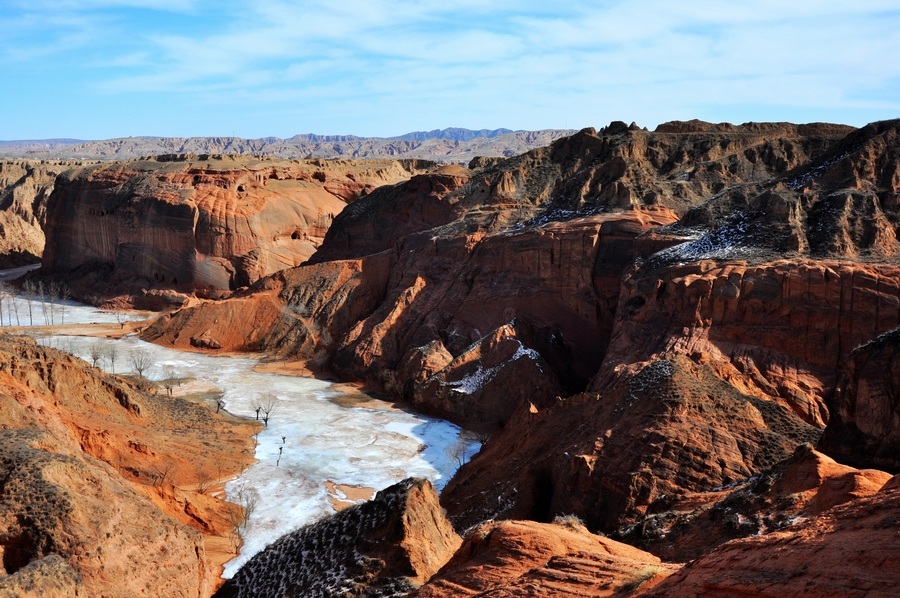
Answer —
(864, 429)
(25, 188)
(694, 291)
(197, 224)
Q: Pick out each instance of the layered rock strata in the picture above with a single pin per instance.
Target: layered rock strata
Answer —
(203, 224)
(695, 292)
(848, 551)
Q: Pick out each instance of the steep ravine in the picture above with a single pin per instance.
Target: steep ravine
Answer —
(652, 328)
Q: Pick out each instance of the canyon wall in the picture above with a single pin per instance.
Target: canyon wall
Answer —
(25, 188)
(641, 322)
(196, 224)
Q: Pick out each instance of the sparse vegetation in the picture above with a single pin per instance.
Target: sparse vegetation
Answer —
(457, 451)
(265, 404)
(141, 361)
(246, 499)
(96, 352)
(572, 522)
(637, 579)
(163, 473)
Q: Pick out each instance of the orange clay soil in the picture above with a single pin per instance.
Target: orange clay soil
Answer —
(174, 451)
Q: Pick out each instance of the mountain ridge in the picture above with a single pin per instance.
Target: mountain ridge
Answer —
(452, 144)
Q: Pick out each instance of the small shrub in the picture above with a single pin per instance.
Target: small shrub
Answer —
(573, 522)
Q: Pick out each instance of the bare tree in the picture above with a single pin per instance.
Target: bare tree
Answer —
(457, 451)
(206, 480)
(45, 307)
(164, 473)
(267, 404)
(169, 379)
(64, 295)
(112, 356)
(53, 293)
(141, 361)
(5, 296)
(96, 352)
(29, 290)
(246, 499)
(15, 310)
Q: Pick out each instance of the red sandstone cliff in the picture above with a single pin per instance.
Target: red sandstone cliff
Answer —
(197, 223)
(524, 558)
(695, 292)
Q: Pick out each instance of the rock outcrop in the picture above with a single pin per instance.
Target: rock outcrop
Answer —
(383, 547)
(805, 485)
(99, 492)
(197, 224)
(524, 558)
(25, 188)
(848, 551)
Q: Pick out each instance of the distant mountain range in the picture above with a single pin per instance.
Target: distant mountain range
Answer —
(452, 145)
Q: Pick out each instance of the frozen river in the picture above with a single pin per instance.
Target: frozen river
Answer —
(310, 438)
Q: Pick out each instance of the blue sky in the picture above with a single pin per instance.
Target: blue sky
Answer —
(95, 69)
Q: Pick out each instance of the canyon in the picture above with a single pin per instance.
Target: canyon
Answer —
(682, 339)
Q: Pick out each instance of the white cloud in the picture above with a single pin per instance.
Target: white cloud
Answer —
(521, 64)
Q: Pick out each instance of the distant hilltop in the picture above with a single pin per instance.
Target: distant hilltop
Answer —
(451, 145)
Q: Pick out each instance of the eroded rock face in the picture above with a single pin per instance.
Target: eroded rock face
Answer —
(81, 460)
(864, 428)
(49, 576)
(556, 285)
(776, 329)
(805, 485)
(524, 558)
(848, 551)
(610, 458)
(690, 290)
(197, 224)
(383, 547)
(25, 188)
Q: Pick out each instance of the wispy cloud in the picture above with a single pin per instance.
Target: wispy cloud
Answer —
(468, 62)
